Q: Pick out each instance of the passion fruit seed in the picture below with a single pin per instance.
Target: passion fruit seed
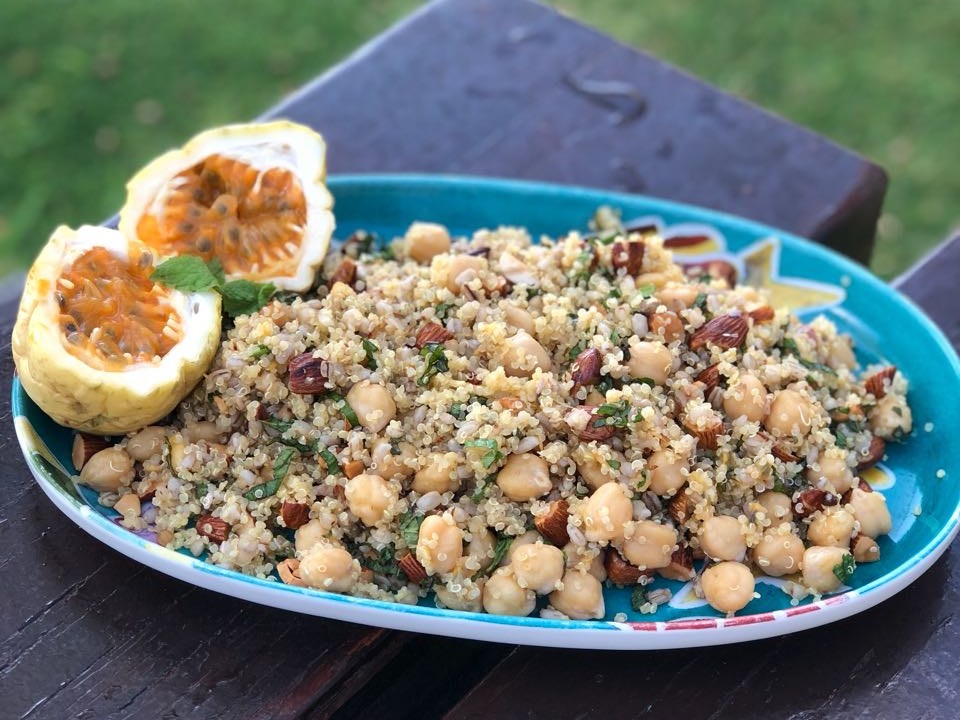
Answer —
(112, 315)
(251, 220)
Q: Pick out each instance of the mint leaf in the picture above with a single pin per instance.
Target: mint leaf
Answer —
(280, 468)
(186, 273)
(242, 297)
(844, 569)
(216, 269)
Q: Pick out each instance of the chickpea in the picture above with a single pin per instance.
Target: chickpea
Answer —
(890, 416)
(790, 414)
(521, 355)
(205, 430)
(865, 549)
(373, 405)
(667, 472)
(309, 535)
(108, 470)
(390, 464)
(437, 474)
(870, 510)
(651, 360)
(502, 595)
(528, 538)
(461, 269)
(538, 567)
(778, 554)
(370, 497)
(598, 566)
(128, 505)
(581, 597)
(832, 471)
(678, 296)
(833, 527)
(747, 397)
(424, 240)
(650, 546)
(525, 476)
(667, 325)
(147, 443)
(329, 568)
(472, 601)
(594, 473)
(722, 539)
(605, 513)
(440, 544)
(517, 317)
(818, 565)
(841, 353)
(777, 506)
(727, 586)
(482, 546)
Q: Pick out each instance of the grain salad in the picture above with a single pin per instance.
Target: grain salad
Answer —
(511, 425)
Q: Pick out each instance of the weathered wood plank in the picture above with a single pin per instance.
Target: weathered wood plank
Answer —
(511, 88)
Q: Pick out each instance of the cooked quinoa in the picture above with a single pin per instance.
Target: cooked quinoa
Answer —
(512, 424)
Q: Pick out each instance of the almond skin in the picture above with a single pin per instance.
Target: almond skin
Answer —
(709, 376)
(680, 506)
(762, 314)
(213, 528)
(431, 334)
(412, 568)
(308, 375)
(875, 383)
(706, 437)
(86, 446)
(878, 446)
(718, 269)
(667, 324)
(680, 567)
(619, 571)
(595, 428)
(724, 331)
(628, 254)
(294, 515)
(586, 367)
(808, 502)
(346, 273)
(353, 468)
(289, 572)
(553, 524)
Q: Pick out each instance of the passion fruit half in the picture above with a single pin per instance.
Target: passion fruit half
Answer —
(98, 345)
(252, 196)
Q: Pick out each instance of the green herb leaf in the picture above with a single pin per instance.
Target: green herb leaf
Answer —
(343, 407)
(187, 273)
(410, 528)
(201, 489)
(503, 545)
(242, 297)
(647, 289)
(840, 439)
(615, 337)
(442, 311)
(281, 426)
(789, 345)
(701, 301)
(281, 467)
(615, 293)
(603, 384)
(370, 349)
(458, 411)
(493, 453)
(436, 362)
(330, 460)
(577, 349)
(844, 569)
(532, 292)
(216, 268)
(616, 414)
(638, 598)
(259, 351)
(615, 464)
(483, 487)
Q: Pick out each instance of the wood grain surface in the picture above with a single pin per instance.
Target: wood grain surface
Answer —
(491, 87)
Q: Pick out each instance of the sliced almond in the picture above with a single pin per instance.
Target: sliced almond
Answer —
(353, 468)
(587, 424)
(680, 506)
(509, 402)
(289, 572)
(877, 383)
(668, 325)
(628, 254)
(707, 434)
(412, 568)
(214, 528)
(553, 524)
(709, 376)
(431, 334)
(86, 446)
(308, 375)
(762, 314)
(810, 501)
(875, 453)
(586, 367)
(346, 273)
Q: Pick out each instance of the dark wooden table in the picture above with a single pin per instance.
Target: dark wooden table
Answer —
(508, 88)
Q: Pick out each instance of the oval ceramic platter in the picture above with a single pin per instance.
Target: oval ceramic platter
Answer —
(920, 478)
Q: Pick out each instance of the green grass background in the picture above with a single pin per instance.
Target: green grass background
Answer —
(89, 91)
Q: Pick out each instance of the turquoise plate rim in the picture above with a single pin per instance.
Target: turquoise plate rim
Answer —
(527, 630)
